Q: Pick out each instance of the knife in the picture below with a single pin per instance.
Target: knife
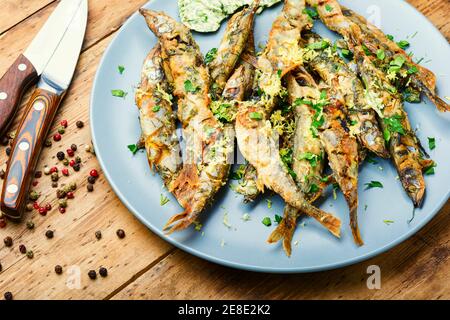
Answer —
(39, 114)
(27, 68)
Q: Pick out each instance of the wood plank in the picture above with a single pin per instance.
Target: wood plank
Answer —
(437, 12)
(18, 10)
(416, 269)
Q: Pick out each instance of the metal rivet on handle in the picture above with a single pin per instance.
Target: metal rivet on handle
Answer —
(3, 95)
(12, 188)
(24, 146)
(22, 67)
(39, 105)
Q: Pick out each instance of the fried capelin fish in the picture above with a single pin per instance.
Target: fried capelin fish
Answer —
(208, 143)
(157, 119)
(234, 42)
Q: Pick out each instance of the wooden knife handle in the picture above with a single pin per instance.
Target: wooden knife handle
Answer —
(26, 148)
(14, 83)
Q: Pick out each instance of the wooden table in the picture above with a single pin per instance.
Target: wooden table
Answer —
(143, 266)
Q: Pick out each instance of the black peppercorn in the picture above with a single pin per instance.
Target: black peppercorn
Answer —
(73, 147)
(1, 267)
(49, 234)
(90, 187)
(48, 143)
(92, 274)
(5, 141)
(80, 124)
(30, 224)
(103, 272)
(91, 180)
(77, 159)
(8, 295)
(30, 254)
(8, 241)
(8, 151)
(58, 269)
(60, 155)
(76, 167)
(2, 174)
(98, 235)
(120, 233)
(22, 249)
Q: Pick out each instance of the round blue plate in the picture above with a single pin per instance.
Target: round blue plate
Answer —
(383, 213)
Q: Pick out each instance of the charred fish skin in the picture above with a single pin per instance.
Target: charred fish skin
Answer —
(403, 143)
(157, 119)
(351, 92)
(234, 42)
(258, 145)
(374, 39)
(207, 156)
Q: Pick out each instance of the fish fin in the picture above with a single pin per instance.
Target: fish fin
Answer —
(332, 223)
(439, 103)
(426, 163)
(285, 231)
(183, 221)
(188, 176)
(354, 226)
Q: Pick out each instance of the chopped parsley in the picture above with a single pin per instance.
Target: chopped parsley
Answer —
(133, 148)
(319, 45)
(156, 108)
(286, 155)
(403, 44)
(311, 12)
(119, 93)
(431, 143)
(311, 157)
(430, 169)
(163, 200)
(267, 221)
(388, 222)
(396, 64)
(366, 50)
(256, 115)
(394, 125)
(269, 204)
(278, 219)
(211, 55)
(189, 87)
(370, 159)
(347, 54)
(313, 188)
(381, 54)
(279, 73)
(223, 112)
(239, 173)
(373, 184)
(328, 8)
(412, 70)
(121, 69)
(390, 37)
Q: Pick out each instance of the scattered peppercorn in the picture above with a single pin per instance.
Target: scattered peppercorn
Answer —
(30, 254)
(53, 169)
(70, 152)
(2, 223)
(91, 180)
(38, 174)
(64, 123)
(80, 124)
(60, 194)
(120, 233)
(73, 186)
(90, 187)
(93, 173)
(76, 167)
(98, 234)
(74, 147)
(55, 176)
(49, 234)
(2, 174)
(92, 274)
(22, 249)
(5, 141)
(8, 241)
(57, 137)
(103, 272)
(58, 269)
(34, 195)
(46, 171)
(29, 207)
(48, 143)
(36, 205)
(48, 207)
(77, 159)
(65, 162)
(62, 210)
(35, 183)
(30, 225)
(70, 195)
(42, 211)
(8, 296)
(1, 267)
(62, 203)
(54, 184)
(72, 163)
(60, 155)
(65, 172)
(11, 135)
(8, 151)
(61, 130)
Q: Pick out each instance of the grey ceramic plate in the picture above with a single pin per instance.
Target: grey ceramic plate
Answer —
(115, 125)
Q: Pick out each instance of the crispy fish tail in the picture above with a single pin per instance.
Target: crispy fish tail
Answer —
(285, 230)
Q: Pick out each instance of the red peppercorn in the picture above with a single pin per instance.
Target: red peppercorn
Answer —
(48, 207)
(53, 169)
(70, 152)
(62, 210)
(65, 171)
(57, 137)
(70, 195)
(36, 205)
(42, 211)
(64, 123)
(35, 183)
(72, 163)
(93, 173)
(2, 223)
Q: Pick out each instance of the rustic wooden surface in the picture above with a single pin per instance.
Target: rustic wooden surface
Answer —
(143, 266)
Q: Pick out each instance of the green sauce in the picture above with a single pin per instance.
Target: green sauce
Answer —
(207, 15)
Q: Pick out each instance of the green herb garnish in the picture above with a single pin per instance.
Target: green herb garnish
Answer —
(121, 69)
(311, 12)
(390, 37)
(189, 87)
(319, 45)
(431, 143)
(373, 184)
(328, 8)
(256, 115)
(403, 44)
(163, 200)
(267, 221)
(412, 70)
(119, 93)
(393, 124)
(430, 169)
(311, 157)
(381, 54)
(211, 55)
(313, 188)
(278, 219)
(388, 222)
(156, 108)
(347, 54)
(133, 148)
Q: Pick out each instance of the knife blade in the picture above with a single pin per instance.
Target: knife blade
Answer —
(27, 68)
(40, 112)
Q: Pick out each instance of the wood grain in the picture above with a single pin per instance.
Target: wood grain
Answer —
(144, 266)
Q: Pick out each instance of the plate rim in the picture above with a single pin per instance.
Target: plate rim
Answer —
(225, 262)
